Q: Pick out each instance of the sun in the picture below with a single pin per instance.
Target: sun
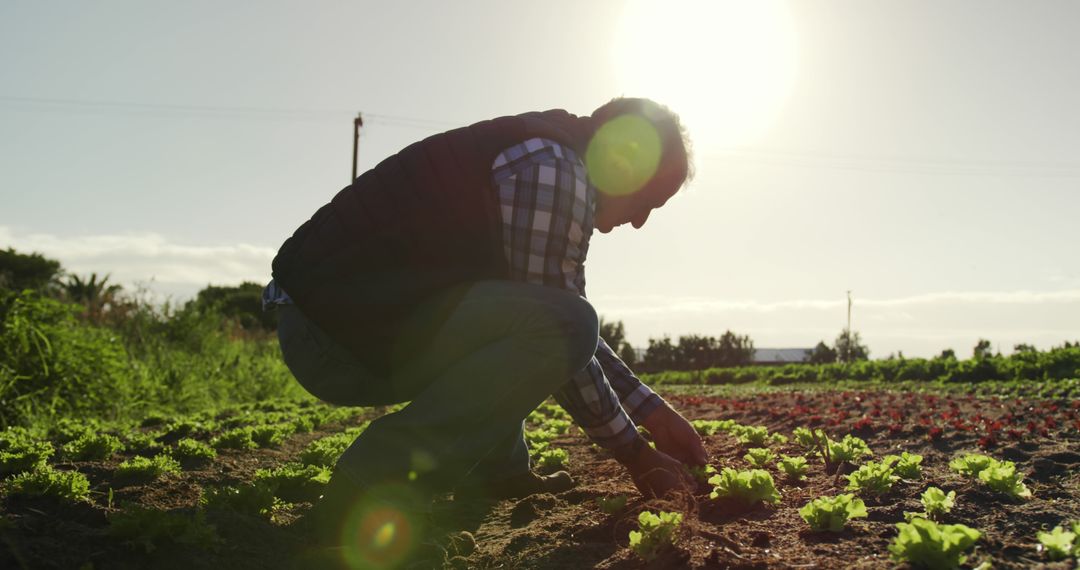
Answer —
(725, 66)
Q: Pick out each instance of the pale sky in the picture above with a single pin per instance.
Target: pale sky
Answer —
(924, 154)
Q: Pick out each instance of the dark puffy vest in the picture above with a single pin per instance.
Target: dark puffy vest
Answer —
(423, 221)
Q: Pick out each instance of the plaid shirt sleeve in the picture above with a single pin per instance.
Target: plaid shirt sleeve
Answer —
(547, 208)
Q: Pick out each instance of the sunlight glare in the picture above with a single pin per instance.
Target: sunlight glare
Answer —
(725, 66)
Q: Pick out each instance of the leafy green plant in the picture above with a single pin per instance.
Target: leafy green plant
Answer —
(849, 449)
(806, 438)
(794, 467)
(655, 533)
(271, 435)
(189, 450)
(557, 425)
(326, 451)
(832, 513)
(551, 459)
(751, 435)
(93, 447)
(141, 469)
(248, 498)
(872, 478)
(759, 456)
(24, 455)
(936, 503)
(612, 505)
(906, 465)
(926, 544)
(971, 464)
(239, 438)
(1002, 477)
(710, 427)
(747, 487)
(50, 483)
(151, 529)
(1060, 543)
(701, 474)
(294, 481)
(143, 443)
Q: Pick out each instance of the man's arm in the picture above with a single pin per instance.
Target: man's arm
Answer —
(637, 399)
(547, 212)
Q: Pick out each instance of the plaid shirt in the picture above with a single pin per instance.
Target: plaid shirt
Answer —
(547, 207)
(547, 219)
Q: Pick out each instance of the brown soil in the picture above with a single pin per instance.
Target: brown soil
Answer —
(569, 530)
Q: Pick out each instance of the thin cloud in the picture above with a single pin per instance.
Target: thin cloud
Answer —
(140, 257)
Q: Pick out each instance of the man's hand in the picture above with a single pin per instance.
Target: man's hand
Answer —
(675, 436)
(656, 474)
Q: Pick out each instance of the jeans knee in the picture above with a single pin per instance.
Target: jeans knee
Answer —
(582, 332)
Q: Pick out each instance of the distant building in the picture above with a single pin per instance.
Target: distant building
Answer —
(767, 356)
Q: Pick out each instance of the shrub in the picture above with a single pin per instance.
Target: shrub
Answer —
(747, 487)
(655, 533)
(49, 483)
(93, 447)
(832, 513)
(925, 544)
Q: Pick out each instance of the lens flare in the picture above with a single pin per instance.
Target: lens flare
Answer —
(377, 534)
(623, 155)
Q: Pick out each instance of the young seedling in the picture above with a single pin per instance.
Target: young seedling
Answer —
(239, 438)
(1059, 543)
(936, 503)
(794, 467)
(193, 451)
(925, 544)
(971, 464)
(746, 487)
(552, 459)
(47, 482)
(655, 533)
(759, 456)
(295, 482)
(806, 438)
(611, 505)
(93, 447)
(24, 455)
(751, 435)
(1002, 477)
(872, 478)
(701, 474)
(140, 469)
(907, 465)
(832, 513)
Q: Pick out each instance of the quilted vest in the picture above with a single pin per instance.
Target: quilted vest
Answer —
(423, 221)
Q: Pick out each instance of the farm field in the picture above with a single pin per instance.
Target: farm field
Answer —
(230, 489)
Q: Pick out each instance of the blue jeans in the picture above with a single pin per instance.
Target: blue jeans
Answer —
(505, 348)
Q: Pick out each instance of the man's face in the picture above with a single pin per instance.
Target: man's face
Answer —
(613, 211)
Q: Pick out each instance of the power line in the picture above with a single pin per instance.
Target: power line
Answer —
(46, 104)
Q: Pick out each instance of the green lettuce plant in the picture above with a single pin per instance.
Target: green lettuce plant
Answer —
(971, 464)
(193, 451)
(747, 487)
(872, 478)
(701, 474)
(794, 467)
(612, 505)
(141, 469)
(1060, 543)
(93, 447)
(655, 533)
(552, 459)
(906, 465)
(926, 544)
(47, 482)
(936, 503)
(832, 513)
(1002, 477)
(759, 456)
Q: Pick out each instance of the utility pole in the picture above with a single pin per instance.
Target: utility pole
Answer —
(357, 123)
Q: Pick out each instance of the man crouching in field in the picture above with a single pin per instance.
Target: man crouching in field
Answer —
(451, 276)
